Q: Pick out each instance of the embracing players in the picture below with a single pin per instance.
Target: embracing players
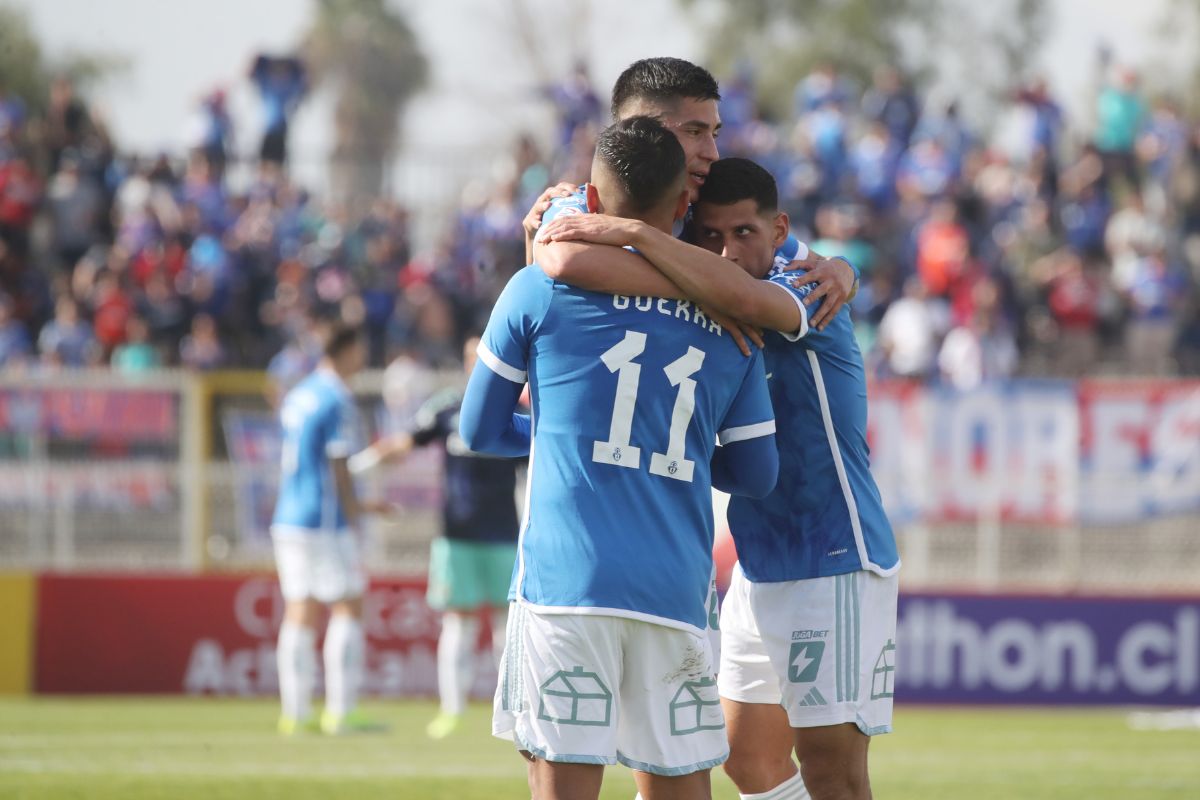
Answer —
(809, 622)
(606, 659)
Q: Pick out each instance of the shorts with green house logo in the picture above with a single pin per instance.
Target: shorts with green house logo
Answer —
(594, 689)
(823, 648)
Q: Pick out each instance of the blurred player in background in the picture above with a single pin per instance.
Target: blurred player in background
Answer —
(809, 622)
(606, 658)
(316, 545)
(683, 97)
(471, 563)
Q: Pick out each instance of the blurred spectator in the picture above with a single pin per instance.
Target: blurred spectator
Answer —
(212, 131)
(874, 161)
(1131, 233)
(1045, 131)
(819, 87)
(136, 354)
(15, 346)
(201, 349)
(67, 121)
(67, 340)
(891, 101)
(20, 193)
(282, 83)
(982, 349)
(75, 208)
(1076, 300)
(577, 104)
(909, 332)
(1163, 147)
(1155, 302)
(1120, 111)
(943, 248)
(111, 311)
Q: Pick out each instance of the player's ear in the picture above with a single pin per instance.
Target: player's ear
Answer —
(681, 205)
(593, 198)
(781, 227)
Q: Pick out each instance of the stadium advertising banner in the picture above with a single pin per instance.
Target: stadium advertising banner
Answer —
(1048, 650)
(1042, 452)
(216, 636)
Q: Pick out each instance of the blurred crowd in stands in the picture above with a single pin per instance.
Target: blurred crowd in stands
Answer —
(1076, 251)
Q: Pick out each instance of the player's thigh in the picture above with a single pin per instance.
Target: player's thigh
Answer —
(694, 786)
(758, 731)
(550, 780)
(746, 673)
(832, 643)
(319, 565)
(832, 755)
(671, 721)
(339, 575)
(557, 694)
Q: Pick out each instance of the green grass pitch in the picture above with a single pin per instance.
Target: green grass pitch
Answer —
(99, 748)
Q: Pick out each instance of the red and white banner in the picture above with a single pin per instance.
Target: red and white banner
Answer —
(216, 635)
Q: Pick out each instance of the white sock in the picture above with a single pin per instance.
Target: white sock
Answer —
(499, 633)
(344, 655)
(791, 789)
(455, 657)
(296, 660)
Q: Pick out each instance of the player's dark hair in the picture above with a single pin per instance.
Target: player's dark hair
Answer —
(731, 180)
(644, 157)
(663, 80)
(341, 338)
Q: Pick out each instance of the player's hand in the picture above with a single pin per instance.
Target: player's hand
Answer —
(533, 219)
(835, 284)
(594, 228)
(739, 331)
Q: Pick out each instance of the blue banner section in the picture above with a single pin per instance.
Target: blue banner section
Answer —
(1048, 650)
(1045, 452)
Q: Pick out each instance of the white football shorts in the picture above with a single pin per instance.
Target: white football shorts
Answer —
(318, 565)
(591, 689)
(823, 648)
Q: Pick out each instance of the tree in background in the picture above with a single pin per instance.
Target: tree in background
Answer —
(367, 52)
(27, 73)
(970, 46)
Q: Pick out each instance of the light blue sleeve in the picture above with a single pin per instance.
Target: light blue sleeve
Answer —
(747, 462)
(786, 253)
(813, 338)
(562, 206)
(750, 415)
(504, 347)
(487, 422)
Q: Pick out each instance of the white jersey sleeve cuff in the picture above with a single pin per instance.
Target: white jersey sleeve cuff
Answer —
(802, 331)
(744, 432)
(497, 366)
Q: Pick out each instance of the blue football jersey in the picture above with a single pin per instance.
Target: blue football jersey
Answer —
(629, 396)
(320, 422)
(825, 516)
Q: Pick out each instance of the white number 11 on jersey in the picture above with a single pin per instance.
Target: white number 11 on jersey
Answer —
(617, 450)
